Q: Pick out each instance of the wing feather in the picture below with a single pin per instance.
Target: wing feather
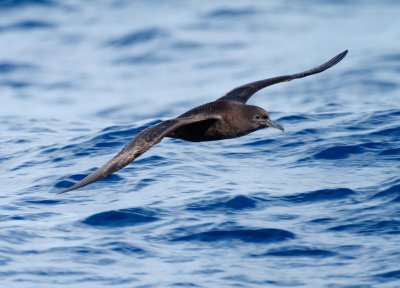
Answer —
(139, 145)
(243, 93)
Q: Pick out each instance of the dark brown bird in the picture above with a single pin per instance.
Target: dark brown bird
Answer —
(227, 117)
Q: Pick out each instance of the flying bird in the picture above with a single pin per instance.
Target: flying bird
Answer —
(227, 117)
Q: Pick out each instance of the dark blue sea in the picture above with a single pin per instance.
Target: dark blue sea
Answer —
(316, 206)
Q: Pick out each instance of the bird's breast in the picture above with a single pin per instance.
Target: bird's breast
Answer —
(209, 130)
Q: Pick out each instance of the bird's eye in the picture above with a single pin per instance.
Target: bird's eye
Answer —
(257, 117)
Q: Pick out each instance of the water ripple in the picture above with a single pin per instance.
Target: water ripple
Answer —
(124, 248)
(299, 252)
(121, 218)
(138, 37)
(7, 67)
(238, 202)
(231, 13)
(370, 227)
(28, 25)
(392, 275)
(20, 3)
(320, 195)
(264, 235)
(339, 152)
(391, 192)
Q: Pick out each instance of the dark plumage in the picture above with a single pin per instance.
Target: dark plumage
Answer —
(227, 117)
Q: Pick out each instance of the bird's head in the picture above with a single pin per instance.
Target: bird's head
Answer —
(258, 118)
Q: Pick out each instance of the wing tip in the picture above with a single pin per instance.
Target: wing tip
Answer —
(85, 181)
(340, 57)
(335, 60)
(67, 190)
(343, 54)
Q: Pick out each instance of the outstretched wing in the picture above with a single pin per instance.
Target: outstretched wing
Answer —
(139, 144)
(243, 93)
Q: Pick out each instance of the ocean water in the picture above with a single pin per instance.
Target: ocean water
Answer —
(316, 206)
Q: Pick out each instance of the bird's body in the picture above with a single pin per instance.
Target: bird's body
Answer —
(231, 123)
(227, 117)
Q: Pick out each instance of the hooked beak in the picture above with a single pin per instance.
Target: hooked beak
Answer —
(269, 123)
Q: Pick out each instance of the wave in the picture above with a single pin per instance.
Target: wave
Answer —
(122, 218)
(262, 235)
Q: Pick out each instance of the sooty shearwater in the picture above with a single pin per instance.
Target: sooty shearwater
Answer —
(227, 117)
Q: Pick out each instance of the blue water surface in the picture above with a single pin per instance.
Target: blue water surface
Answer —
(316, 206)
